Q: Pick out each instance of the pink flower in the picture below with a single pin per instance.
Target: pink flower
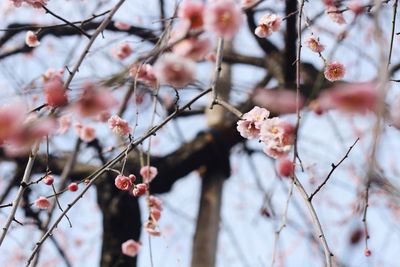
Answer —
(192, 12)
(155, 202)
(223, 17)
(42, 203)
(119, 126)
(130, 248)
(355, 98)
(143, 73)
(356, 7)
(93, 100)
(122, 25)
(314, 44)
(87, 133)
(11, 118)
(31, 130)
(104, 116)
(123, 183)
(55, 93)
(31, 39)
(277, 101)
(33, 3)
(249, 127)
(268, 23)
(48, 179)
(335, 15)
(52, 74)
(175, 70)
(285, 167)
(277, 136)
(193, 48)
(248, 3)
(334, 71)
(150, 227)
(155, 214)
(148, 173)
(139, 190)
(123, 51)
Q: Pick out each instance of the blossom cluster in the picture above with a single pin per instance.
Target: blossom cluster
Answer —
(276, 134)
(32, 3)
(268, 24)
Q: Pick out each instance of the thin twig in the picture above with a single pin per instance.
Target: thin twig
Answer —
(296, 181)
(229, 107)
(334, 166)
(393, 31)
(217, 71)
(22, 187)
(66, 21)
(101, 27)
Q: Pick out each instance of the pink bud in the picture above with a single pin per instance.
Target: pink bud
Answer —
(130, 248)
(155, 213)
(367, 252)
(132, 178)
(73, 187)
(285, 167)
(148, 173)
(48, 179)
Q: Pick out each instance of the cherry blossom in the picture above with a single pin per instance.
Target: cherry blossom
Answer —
(353, 98)
(192, 13)
(139, 190)
(93, 100)
(32, 3)
(356, 7)
(87, 133)
(42, 203)
(55, 93)
(278, 101)
(48, 179)
(148, 173)
(285, 167)
(314, 44)
(277, 136)
(143, 73)
(249, 127)
(123, 26)
(130, 248)
(119, 126)
(31, 39)
(175, 70)
(223, 17)
(334, 71)
(11, 118)
(123, 51)
(335, 15)
(268, 24)
(123, 182)
(150, 226)
(193, 48)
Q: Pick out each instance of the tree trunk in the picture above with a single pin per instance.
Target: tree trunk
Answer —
(205, 242)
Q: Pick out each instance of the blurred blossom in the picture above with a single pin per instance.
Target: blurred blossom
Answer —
(223, 17)
(278, 101)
